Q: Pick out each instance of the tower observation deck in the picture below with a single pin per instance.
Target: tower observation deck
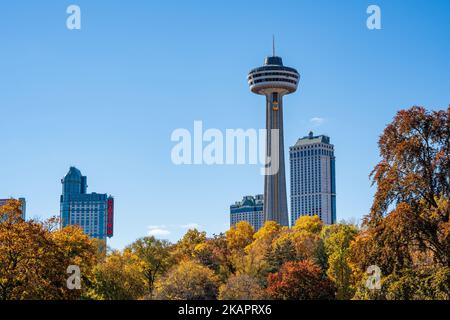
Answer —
(273, 80)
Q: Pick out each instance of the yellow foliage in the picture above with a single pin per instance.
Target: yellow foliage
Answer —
(34, 257)
(311, 224)
(239, 236)
(269, 230)
(188, 281)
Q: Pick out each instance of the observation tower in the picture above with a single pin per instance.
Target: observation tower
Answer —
(274, 81)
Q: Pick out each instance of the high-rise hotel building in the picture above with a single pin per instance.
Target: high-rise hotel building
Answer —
(250, 209)
(313, 182)
(93, 212)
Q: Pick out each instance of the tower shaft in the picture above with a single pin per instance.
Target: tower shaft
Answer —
(275, 199)
(274, 80)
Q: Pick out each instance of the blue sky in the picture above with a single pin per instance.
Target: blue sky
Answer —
(106, 98)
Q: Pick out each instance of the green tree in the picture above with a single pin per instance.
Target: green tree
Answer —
(155, 259)
(430, 283)
(424, 284)
(337, 239)
(282, 251)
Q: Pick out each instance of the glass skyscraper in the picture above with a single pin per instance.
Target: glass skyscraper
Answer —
(250, 209)
(93, 212)
(313, 178)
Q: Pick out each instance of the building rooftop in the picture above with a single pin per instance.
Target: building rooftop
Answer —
(249, 201)
(277, 61)
(311, 139)
(74, 172)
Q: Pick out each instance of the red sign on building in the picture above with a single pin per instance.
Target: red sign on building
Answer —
(110, 218)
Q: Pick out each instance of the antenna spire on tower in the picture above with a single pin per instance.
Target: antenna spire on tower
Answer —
(273, 45)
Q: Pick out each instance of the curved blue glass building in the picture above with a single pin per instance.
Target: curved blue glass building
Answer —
(93, 212)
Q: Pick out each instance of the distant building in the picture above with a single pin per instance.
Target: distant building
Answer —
(313, 178)
(250, 209)
(93, 212)
(23, 207)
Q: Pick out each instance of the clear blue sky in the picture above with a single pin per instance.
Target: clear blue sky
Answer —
(107, 98)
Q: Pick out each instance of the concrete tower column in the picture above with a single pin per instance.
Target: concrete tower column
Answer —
(275, 196)
(273, 80)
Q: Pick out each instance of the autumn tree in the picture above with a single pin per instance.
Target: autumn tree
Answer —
(337, 240)
(155, 259)
(239, 236)
(188, 281)
(407, 231)
(413, 184)
(302, 280)
(310, 224)
(119, 277)
(254, 260)
(307, 240)
(21, 246)
(241, 287)
(429, 283)
(11, 211)
(215, 254)
(302, 242)
(419, 284)
(185, 247)
(282, 250)
(71, 247)
(34, 257)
